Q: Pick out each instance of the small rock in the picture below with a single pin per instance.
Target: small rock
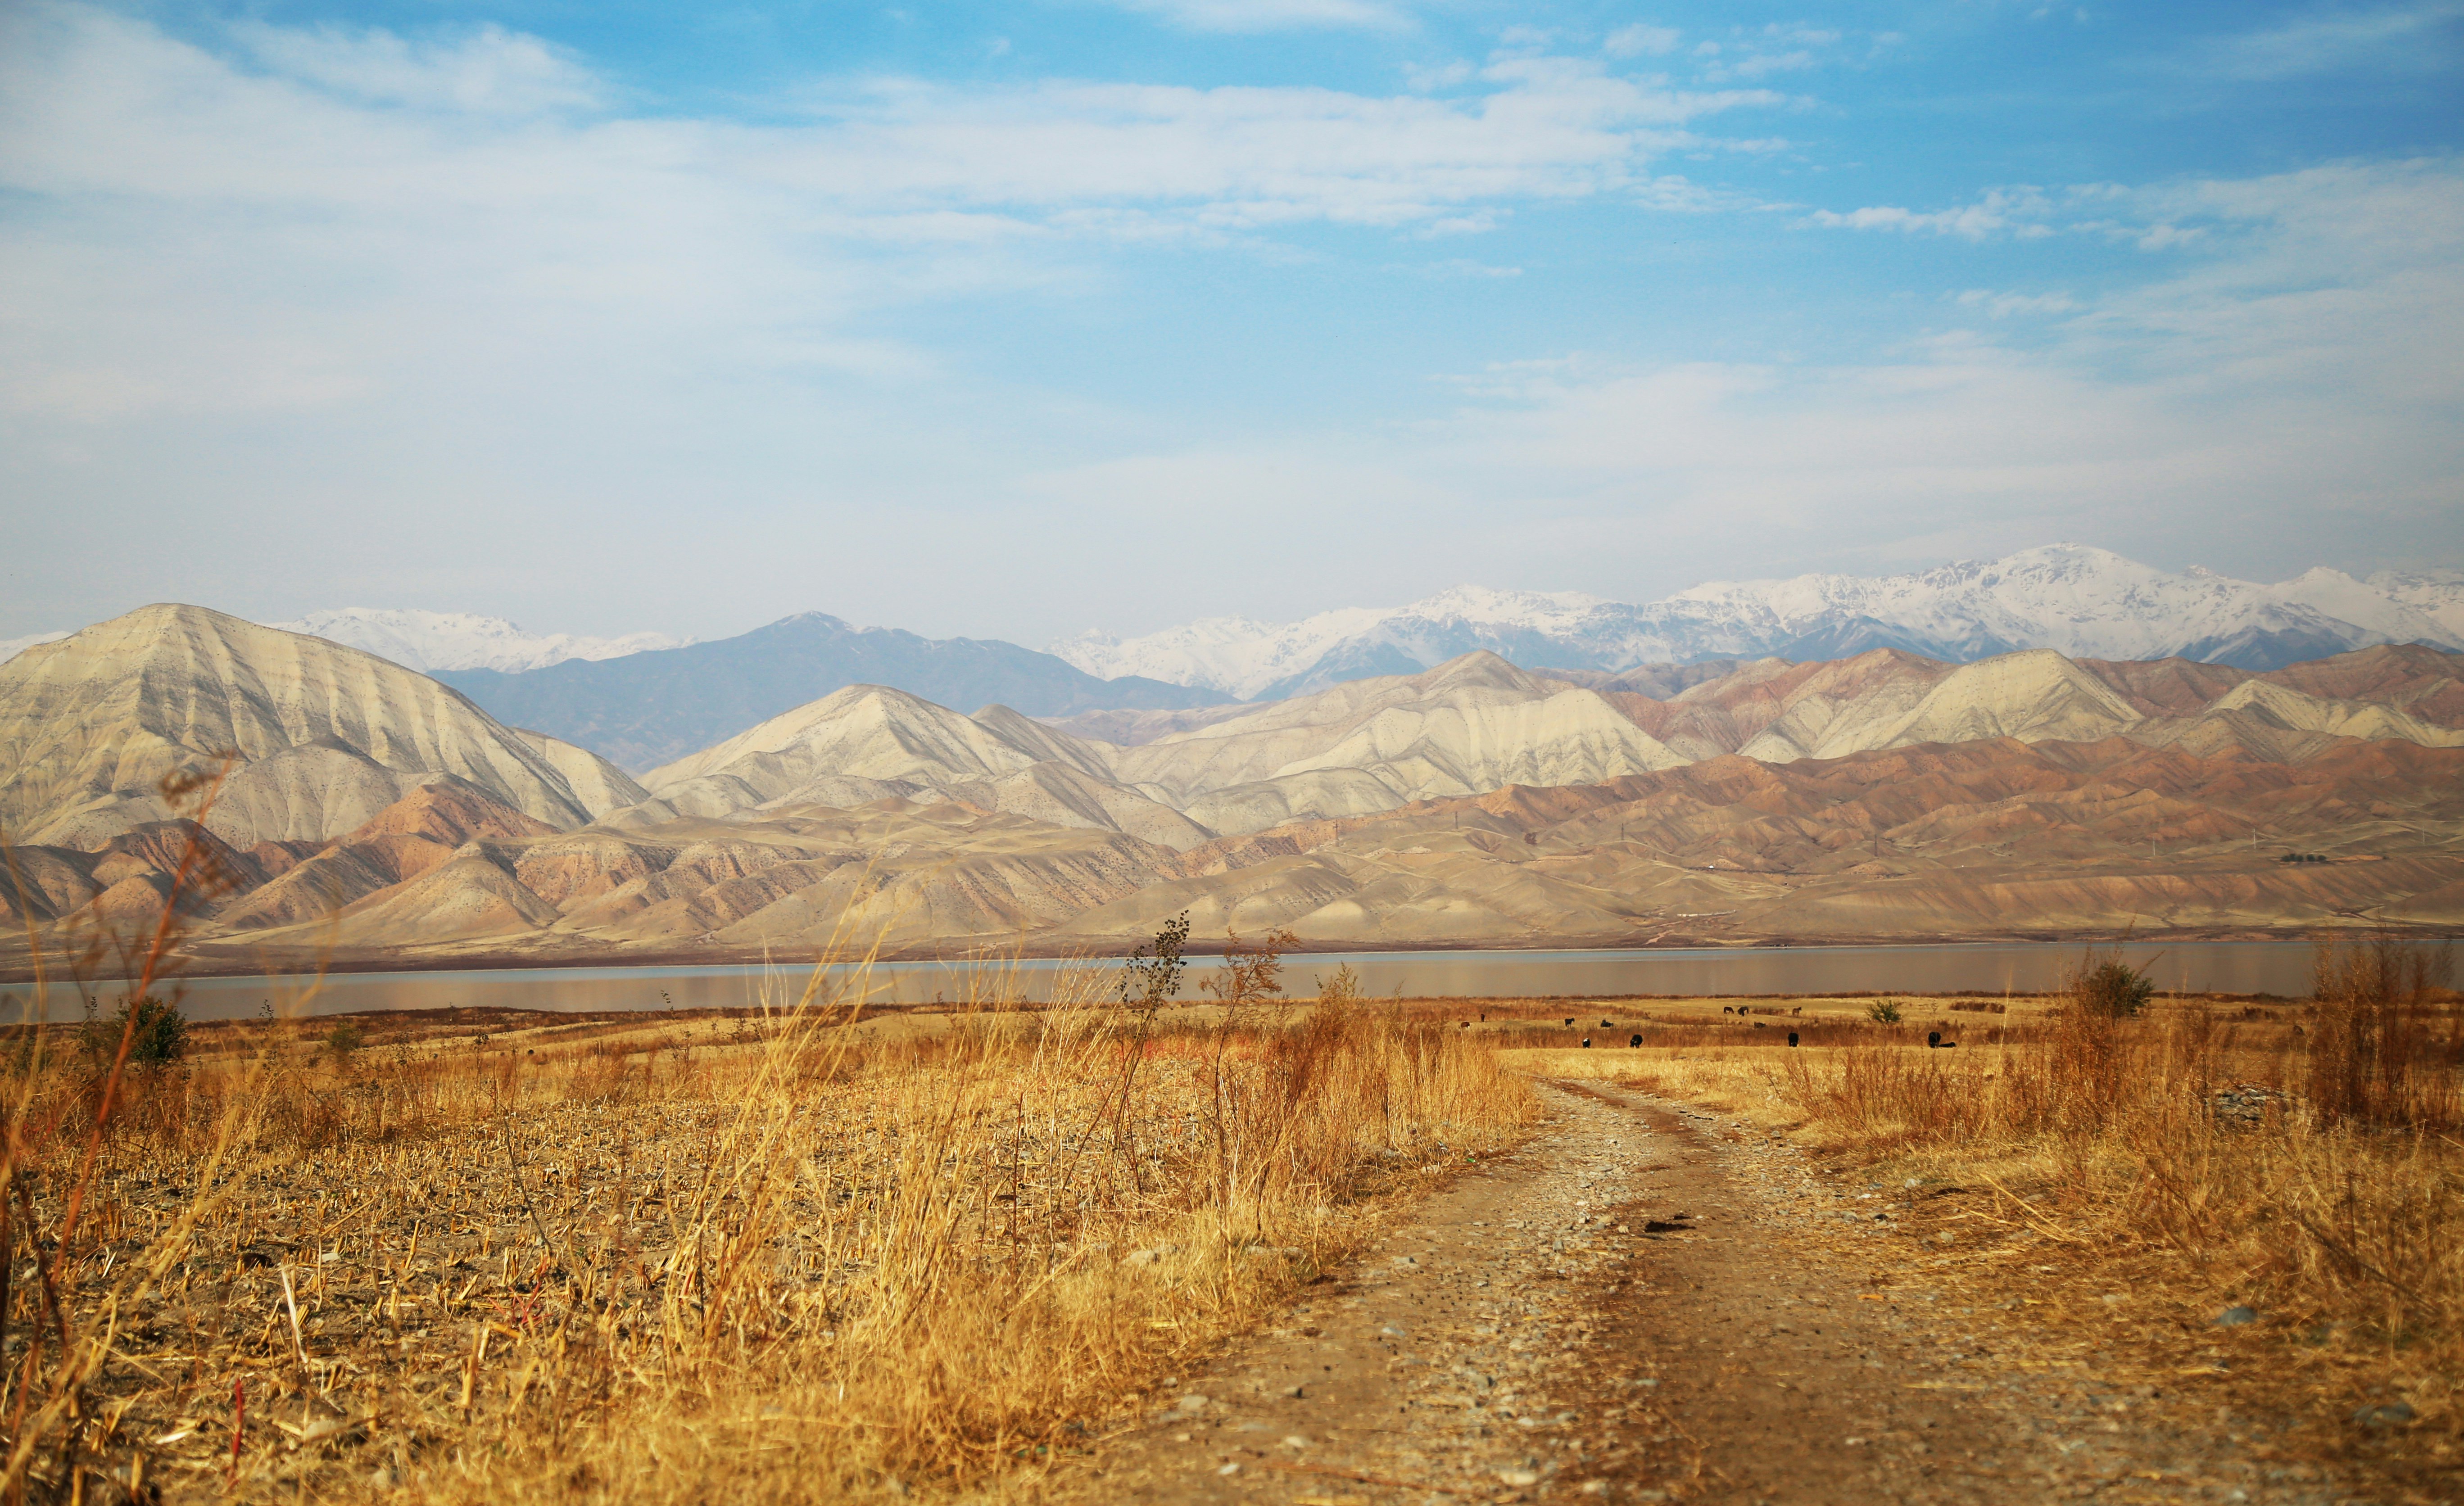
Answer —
(1518, 1477)
(1192, 1403)
(1228, 1469)
(2384, 1414)
(1294, 1440)
(2236, 1317)
(1296, 1393)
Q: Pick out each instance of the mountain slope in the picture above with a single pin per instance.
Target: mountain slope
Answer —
(1474, 723)
(870, 743)
(325, 737)
(650, 708)
(2082, 602)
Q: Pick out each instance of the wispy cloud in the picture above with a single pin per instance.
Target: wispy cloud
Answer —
(262, 227)
(1639, 40)
(1275, 15)
(2330, 40)
(2013, 211)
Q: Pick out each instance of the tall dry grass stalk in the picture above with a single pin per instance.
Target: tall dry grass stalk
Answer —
(792, 1257)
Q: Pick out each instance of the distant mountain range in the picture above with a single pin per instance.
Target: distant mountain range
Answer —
(2080, 601)
(431, 641)
(374, 814)
(648, 709)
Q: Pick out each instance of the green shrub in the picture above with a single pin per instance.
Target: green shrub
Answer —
(1884, 1011)
(2112, 988)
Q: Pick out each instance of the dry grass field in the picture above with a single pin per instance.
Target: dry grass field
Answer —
(772, 1256)
(2262, 1198)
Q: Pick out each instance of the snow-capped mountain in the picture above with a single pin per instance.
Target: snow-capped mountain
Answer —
(428, 640)
(2083, 602)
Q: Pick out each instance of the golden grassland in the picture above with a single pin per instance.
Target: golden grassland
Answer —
(769, 1256)
(2116, 1185)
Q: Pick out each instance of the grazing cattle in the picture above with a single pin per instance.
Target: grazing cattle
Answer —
(1586, 1042)
(1799, 1010)
(1570, 1019)
(1608, 1024)
(1726, 1010)
(1635, 1041)
(1935, 1042)
(1792, 1037)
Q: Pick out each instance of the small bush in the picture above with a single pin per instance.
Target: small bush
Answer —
(344, 1038)
(160, 1035)
(2111, 988)
(1884, 1011)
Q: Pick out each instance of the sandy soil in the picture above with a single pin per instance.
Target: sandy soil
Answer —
(1647, 1304)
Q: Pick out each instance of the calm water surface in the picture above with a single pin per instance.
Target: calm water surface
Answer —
(2238, 967)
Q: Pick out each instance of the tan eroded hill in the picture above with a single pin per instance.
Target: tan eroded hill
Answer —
(869, 743)
(1471, 724)
(1987, 839)
(326, 736)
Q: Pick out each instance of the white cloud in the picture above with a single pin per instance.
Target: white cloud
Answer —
(310, 223)
(2004, 305)
(484, 72)
(1639, 40)
(1275, 15)
(2018, 211)
(2296, 390)
(2393, 36)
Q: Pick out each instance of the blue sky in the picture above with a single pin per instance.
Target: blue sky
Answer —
(1013, 320)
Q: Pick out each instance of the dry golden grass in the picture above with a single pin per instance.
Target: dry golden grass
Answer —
(2304, 1162)
(764, 1257)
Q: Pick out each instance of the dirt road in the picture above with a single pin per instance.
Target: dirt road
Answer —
(1644, 1303)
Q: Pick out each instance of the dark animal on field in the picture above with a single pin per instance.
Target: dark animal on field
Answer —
(1726, 1010)
(1608, 1024)
(1464, 1023)
(1792, 1037)
(1759, 1025)
(1635, 1041)
(1935, 1042)
(1570, 1019)
(1586, 1042)
(1799, 1010)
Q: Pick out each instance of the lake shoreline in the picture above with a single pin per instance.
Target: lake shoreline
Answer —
(216, 960)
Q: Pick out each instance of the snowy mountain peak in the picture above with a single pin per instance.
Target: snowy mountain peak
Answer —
(2076, 599)
(427, 641)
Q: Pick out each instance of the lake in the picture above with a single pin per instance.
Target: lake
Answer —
(2236, 967)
